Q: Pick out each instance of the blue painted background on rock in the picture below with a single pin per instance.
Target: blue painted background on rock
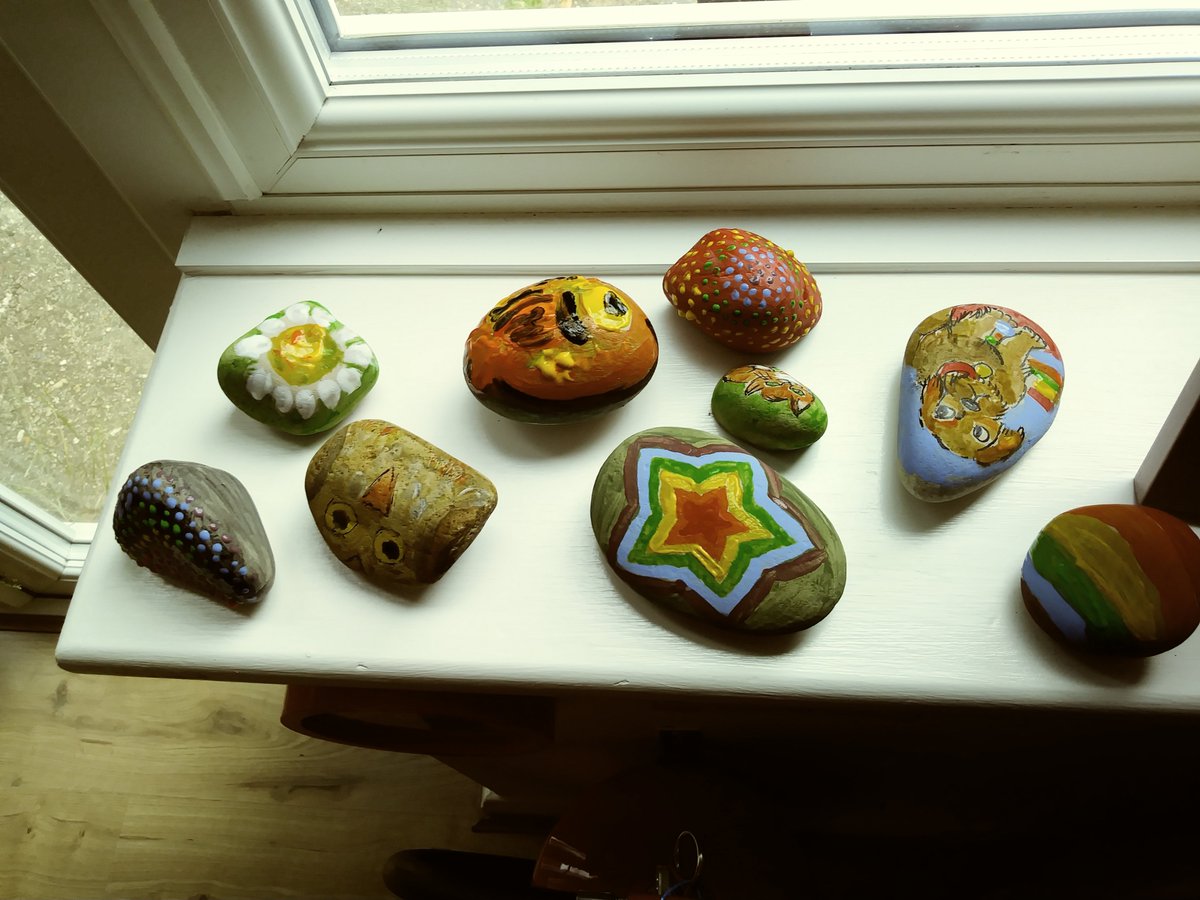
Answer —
(923, 456)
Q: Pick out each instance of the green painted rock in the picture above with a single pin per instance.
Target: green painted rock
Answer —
(196, 526)
(701, 526)
(299, 370)
(393, 506)
(1118, 579)
(768, 408)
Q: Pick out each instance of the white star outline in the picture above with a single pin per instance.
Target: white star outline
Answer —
(758, 564)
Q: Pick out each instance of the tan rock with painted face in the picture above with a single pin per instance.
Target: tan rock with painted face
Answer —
(393, 506)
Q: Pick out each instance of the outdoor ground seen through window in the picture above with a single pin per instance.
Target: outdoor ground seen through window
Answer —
(73, 373)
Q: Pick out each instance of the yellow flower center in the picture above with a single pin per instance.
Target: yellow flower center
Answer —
(304, 354)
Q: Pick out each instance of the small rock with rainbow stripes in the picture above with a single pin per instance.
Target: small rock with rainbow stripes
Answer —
(745, 291)
(1116, 579)
(979, 386)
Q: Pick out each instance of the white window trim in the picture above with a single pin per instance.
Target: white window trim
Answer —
(267, 122)
(43, 553)
(292, 126)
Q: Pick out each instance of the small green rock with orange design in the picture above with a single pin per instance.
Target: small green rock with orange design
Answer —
(768, 408)
(745, 291)
(299, 370)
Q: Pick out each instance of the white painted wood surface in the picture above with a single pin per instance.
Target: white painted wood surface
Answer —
(932, 608)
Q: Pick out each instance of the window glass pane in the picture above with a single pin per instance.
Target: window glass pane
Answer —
(364, 24)
(348, 8)
(73, 373)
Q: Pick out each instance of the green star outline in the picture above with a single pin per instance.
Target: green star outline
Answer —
(640, 553)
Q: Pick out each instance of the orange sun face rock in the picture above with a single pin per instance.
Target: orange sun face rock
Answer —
(745, 291)
(560, 350)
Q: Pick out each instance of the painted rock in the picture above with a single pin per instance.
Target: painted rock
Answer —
(392, 505)
(768, 408)
(701, 526)
(561, 350)
(980, 385)
(196, 526)
(1116, 579)
(745, 291)
(299, 370)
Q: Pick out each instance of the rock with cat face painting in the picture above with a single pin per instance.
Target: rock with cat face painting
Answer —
(393, 506)
(980, 385)
(768, 408)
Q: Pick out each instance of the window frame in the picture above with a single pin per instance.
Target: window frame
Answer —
(235, 111)
(259, 124)
(42, 553)
(461, 139)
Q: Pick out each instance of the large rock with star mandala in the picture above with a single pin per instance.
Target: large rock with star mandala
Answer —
(299, 370)
(701, 526)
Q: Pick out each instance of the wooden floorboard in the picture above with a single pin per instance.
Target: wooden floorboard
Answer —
(150, 788)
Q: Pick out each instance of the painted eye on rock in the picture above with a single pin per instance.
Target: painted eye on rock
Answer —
(340, 517)
(389, 548)
(981, 434)
(613, 305)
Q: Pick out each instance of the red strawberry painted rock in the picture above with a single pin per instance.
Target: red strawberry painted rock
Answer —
(745, 291)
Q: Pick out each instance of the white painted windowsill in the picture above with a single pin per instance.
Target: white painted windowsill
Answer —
(932, 609)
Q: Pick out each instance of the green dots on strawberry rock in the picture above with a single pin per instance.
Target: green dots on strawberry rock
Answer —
(745, 291)
(299, 370)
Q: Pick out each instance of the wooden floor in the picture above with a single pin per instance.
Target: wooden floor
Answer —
(146, 788)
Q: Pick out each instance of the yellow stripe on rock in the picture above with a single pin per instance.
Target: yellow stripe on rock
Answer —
(1100, 551)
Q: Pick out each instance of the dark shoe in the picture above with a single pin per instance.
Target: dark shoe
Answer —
(455, 875)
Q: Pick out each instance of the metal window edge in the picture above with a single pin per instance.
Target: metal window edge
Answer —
(37, 546)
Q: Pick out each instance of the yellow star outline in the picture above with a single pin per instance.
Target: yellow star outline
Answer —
(668, 484)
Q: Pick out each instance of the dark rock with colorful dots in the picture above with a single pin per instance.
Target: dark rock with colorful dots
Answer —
(745, 291)
(196, 526)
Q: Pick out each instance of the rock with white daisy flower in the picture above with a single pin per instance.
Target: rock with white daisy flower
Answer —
(299, 370)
